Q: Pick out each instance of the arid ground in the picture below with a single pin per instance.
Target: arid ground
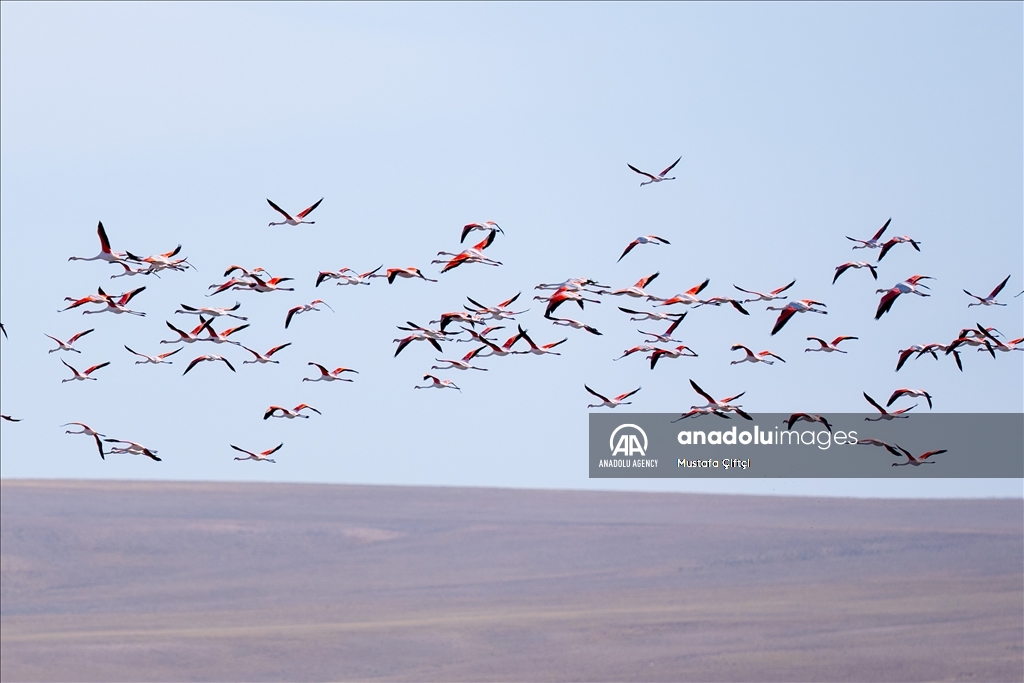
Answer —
(153, 581)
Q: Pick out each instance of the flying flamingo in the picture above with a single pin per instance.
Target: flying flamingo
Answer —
(648, 239)
(751, 357)
(262, 358)
(770, 296)
(129, 271)
(212, 312)
(406, 273)
(1007, 346)
(919, 460)
(10, 419)
(680, 351)
(666, 337)
(474, 254)
(606, 402)
(271, 285)
(648, 315)
(807, 417)
(208, 357)
(155, 360)
(346, 279)
(840, 269)
(258, 270)
(482, 335)
(118, 305)
(902, 239)
(495, 350)
(560, 297)
(791, 309)
(909, 285)
(640, 348)
(920, 350)
(575, 324)
(278, 411)
(499, 312)
(448, 318)
(233, 283)
(707, 410)
(262, 456)
(311, 306)
(885, 415)
(989, 300)
(539, 350)
(69, 344)
(329, 375)
(419, 334)
(879, 444)
(187, 337)
(486, 225)
(689, 296)
(88, 431)
(437, 383)
(654, 178)
(719, 300)
(723, 405)
(574, 283)
(162, 261)
(829, 347)
(637, 290)
(105, 253)
(916, 393)
(132, 448)
(873, 242)
(298, 220)
(82, 376)
(222, 337)
(462, 364)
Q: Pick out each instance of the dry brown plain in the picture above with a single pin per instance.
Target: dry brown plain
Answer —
(154, 581)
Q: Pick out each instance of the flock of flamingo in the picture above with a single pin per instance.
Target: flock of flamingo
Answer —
(477, 324)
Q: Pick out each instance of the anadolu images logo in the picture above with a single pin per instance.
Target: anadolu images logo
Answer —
(628, 444)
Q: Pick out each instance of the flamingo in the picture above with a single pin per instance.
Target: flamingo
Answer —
(474, 254)
(262, 456)
(10, 419)
(723, 405)
(807, 417)
(298, 220)
(329, 375)
(916, 393)
(105, 252)
(829, 347)
(840, 269)
(419, 334)
(920, 350)
(462, 364)
(346, 279)
(640, 348)
(187, 337)
(262, 358)
(679, 351)
(259, 270)
(885, 415)
(919, 460)
(646, 239)
(719, 300)
(879, 444)
(873, 242)
(910, 285)
(155, 360)
(499, 312)
(791, 309)
(133, 449)
(69, 344)
(666, 337)
(486, 225)
(162, 261)
(902, 239)
(574, 283)
(436, 383)
(989, 300)
(88, 431)
(1007, 346)
(406, 273)
(82, 376)
(648, 315)
(606, 402)
(770, 296)
(208, 357)
(311, 306)
(751, 357)
(495, 350)
(118, 305)
(446, 319)
(575, 324)
(560, 297)
(271, 285)
(689, 296)
(278, 411)
(637, 290)
(222, 337)
(708, 410)
(212, 312)
(129, 271)
(233, 283)
(654, 178)
(539, 350)
(482, 334)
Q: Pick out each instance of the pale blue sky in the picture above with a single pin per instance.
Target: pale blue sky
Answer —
(797, 124)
